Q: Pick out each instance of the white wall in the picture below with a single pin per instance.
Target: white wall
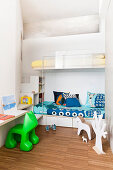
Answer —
(10, 27)
(18, 52)
(109, 71)
(78, 81)
(7, 50)
(10, 55)
(62, 27)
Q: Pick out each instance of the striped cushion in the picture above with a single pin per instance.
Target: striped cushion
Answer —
(68, 95)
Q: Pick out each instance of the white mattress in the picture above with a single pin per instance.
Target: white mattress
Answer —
(63, 27)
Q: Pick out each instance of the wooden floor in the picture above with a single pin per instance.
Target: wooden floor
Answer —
(62, 150)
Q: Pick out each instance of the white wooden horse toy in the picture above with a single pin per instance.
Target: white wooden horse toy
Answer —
(82, 125)
(84, 139)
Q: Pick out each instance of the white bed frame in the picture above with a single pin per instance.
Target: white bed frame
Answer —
(59, 121)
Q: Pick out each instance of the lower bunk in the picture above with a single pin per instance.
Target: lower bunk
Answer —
(51, 108)
(64, 116)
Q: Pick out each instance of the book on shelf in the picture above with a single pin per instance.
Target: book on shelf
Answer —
(41, 97)
(5, 117)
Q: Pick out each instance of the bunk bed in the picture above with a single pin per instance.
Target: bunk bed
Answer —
(59, 32)
(69, 60)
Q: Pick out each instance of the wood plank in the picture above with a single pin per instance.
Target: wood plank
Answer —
(24, 106)
(60, 149)
(17, 114)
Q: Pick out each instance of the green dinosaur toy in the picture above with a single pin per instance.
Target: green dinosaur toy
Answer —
(23, 133)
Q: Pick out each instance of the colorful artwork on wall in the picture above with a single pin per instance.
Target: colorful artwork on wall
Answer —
(9, 104)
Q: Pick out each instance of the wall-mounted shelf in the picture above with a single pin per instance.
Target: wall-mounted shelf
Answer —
(34, 89)
(24, 106)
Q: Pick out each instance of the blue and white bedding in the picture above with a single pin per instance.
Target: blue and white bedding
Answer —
(50, 108)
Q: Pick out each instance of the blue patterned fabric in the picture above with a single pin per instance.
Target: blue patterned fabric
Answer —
(76, 112)
(51, 108)
(41, 108)
(100, 100)
(59, 98)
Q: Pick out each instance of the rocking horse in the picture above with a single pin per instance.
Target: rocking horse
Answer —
(23, 133)
(84, 126)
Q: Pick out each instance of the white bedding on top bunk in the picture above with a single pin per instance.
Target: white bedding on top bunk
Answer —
(79, 60)
(63, 27)
(69, 61)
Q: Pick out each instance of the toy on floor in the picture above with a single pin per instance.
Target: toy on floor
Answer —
(99, 127)
(23, 133)
(52, 127)
(84, 126)
(84, 139)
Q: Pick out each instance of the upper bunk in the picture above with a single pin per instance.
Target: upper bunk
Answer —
(70, 60)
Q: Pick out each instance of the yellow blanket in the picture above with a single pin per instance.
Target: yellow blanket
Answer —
(98, 61)
(100, 56)
(43, 63)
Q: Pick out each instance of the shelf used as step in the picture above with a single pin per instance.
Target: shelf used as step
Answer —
(24, 106)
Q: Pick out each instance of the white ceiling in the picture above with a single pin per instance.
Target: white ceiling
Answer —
(62, 27)
(38, 10)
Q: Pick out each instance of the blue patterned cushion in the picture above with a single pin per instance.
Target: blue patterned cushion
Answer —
(95, 100)
(90, 99)
(100, 100)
